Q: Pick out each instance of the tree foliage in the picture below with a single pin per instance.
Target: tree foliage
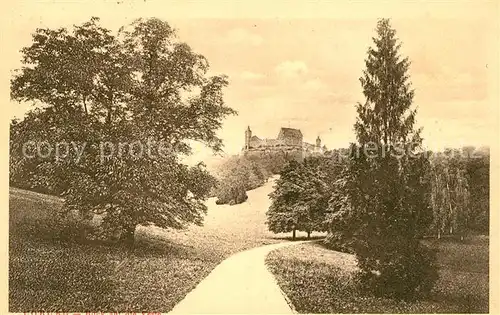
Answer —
(478, 174)
(238, 174)
(382, 199)
(460, 191)
(450, 195)
(299, 198)
(235, 176)
(140, 86)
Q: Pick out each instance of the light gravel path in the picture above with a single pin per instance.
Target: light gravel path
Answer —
(241, 284)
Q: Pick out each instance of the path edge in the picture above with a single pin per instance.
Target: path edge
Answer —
(287, 299)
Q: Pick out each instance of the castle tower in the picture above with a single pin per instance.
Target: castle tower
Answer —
(248, 135)
(318, 142)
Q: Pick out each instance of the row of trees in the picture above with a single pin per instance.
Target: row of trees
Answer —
(458, 193)
(141, 85)
(386, 194)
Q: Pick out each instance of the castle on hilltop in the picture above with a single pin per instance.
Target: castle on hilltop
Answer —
(289, 140)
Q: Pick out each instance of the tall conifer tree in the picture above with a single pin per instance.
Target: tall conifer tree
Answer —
(382, 198)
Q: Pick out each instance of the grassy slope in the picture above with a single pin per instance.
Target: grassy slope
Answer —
(47, 275)
(318, 280)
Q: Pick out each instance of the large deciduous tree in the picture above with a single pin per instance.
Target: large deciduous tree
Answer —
(299, 198)
(382, 199)
(143, 88)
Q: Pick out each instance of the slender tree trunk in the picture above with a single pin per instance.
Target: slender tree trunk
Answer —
(108, 117)
(308, 234)
(452, 215)
(109, 108)
(293, 235)
(85, 106)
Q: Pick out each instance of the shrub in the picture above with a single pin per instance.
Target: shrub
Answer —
(235, 176)
(403, 272)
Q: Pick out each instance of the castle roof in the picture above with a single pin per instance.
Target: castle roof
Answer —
(290, 133)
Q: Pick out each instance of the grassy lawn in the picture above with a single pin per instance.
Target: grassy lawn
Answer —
(318, 280)
(49, 275)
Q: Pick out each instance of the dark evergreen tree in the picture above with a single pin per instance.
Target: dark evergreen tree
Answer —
(382, 199)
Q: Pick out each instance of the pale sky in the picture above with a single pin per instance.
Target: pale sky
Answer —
(297, 64)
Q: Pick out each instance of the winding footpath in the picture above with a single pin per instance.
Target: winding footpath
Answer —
(241, 284)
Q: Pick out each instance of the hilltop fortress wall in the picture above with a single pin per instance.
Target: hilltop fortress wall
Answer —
(287, 153)
(289, 144)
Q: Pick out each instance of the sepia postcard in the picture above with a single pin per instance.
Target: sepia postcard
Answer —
(250, 157)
